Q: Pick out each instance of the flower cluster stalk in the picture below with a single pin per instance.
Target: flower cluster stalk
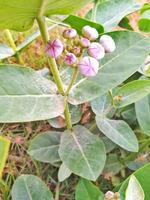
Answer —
(54, 70)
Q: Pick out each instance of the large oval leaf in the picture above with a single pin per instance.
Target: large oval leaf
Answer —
(87, 191)
(4, 148)
(119, 132)
(26, 96)
(142, 108)
(44, 147)
(29, 187)
(131, 47)
(20, 15)
(83, 153)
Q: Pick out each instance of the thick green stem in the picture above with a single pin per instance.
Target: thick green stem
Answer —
(54, 69)
(13, 45)
(94, 11)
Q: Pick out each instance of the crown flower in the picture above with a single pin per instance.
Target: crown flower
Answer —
(54, 48)
(69, 33)
(108, 43)
(96, 51)
(70, 59)
(90, 33)
(88, 66)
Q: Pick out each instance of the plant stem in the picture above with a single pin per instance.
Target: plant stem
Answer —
(13, 45)
(74, 77)
(54, 70)
(57, 192)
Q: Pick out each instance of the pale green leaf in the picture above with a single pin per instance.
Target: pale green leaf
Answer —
(132, 92)
(63, 172)
(119, 132)
(27, 96)
(134, 190)
(83, 153)
(44, 147)
(29, 187)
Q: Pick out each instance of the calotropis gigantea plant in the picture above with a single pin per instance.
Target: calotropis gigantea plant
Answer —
(99, 63)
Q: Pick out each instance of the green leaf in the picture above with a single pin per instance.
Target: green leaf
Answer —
(78, 23)
(114, 67)
(27, 96)
(63, 172)
(4, 148)
(20, 15)
(87, 191)
(134, 190)
(106, 11)
(144, 21)
(125, 23)
(113, 164)
(102, 106)
(119, 132)
(6, 51)
(132, 92)
(142, 108)
(44, 147)
(143, 176)
(109, 145)
(82, 152)
(29, 187)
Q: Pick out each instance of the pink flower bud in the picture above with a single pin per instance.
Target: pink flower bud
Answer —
(70, 59)
(84, 42)
(54, 48)
(96, 50)
(108, 43)
(90, 33)
(109, 195)
(88, 66)
(70, 33)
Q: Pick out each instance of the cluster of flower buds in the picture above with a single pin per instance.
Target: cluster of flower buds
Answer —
(83, 52)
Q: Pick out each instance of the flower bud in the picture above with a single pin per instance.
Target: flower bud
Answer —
(77, 51)
(109, 195)
(96, 50)
(54, 48)
(88, 66)
(90, 33)
(70, 33)
(108, 43)
(70, 59)
(84, 42)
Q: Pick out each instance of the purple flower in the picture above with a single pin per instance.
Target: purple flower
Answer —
(70, 33)
(84, 42)
(70, 59)
(54, 48)
(108, 43)
(90, 33)
(88, 66)
(96, 50)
